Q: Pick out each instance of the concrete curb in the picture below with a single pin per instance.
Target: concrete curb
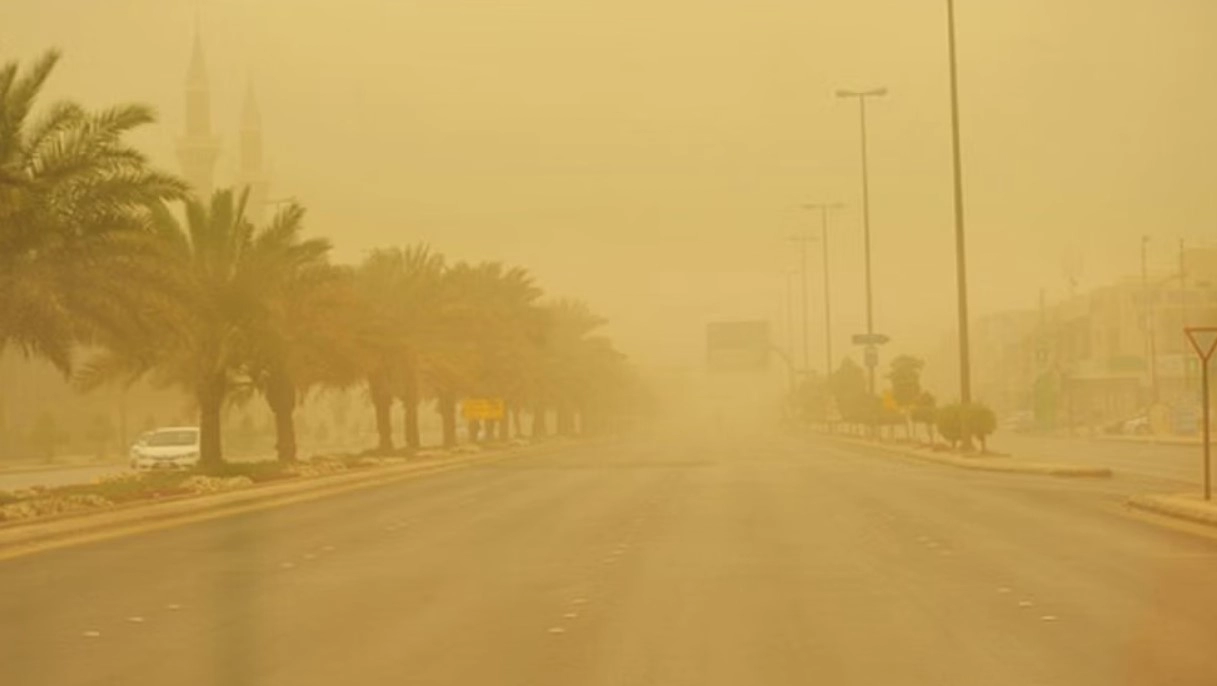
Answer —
(17, 538)
(1151, 440)
(1188, 507)
(985, 464)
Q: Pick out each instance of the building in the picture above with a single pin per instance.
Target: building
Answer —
(1100, 356)
(199, 148)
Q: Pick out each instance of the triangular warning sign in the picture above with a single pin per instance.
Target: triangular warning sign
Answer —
(1204, 340)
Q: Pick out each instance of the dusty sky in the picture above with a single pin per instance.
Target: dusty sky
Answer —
(650, 156)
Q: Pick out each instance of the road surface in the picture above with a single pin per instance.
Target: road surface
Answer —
(695, 562)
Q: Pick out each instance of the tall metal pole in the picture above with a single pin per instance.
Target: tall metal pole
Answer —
(1204, 385)
(961, 256)
(806, 307)
(870, 310)
(870, 301)
(824, 209)
(827, 294)
(803, 239)
(1150, 345)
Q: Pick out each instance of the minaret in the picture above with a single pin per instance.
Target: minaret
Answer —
(252, 173)
(197, 149)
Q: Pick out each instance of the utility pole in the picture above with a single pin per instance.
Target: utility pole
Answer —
(1148, 313)
(803, 239)
(861, 96)
(824, 209)
(961, 257)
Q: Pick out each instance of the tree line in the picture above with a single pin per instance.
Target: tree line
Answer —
(115, 272)
(844, 400)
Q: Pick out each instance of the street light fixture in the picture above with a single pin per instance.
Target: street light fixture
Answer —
(861, 97)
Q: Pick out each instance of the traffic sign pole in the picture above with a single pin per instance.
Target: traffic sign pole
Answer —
(1204, 341)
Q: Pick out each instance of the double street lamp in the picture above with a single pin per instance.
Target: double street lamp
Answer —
(861, 97)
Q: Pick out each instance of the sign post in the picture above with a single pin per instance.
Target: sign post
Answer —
(1204, 342)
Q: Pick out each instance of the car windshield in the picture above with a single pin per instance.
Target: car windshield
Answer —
(171, 438)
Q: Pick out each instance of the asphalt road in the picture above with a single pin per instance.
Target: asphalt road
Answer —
(708, 561)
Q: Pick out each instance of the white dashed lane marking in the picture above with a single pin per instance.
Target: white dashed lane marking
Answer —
(174, 607)
(92, 634)
(556, 630)
(136, 620)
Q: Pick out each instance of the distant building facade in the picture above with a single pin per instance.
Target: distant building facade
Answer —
(1099, 356)
(199, 149)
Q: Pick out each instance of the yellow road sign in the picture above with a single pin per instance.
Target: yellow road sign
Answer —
(483, 408)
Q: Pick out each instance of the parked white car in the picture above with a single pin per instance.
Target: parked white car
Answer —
(175, 447)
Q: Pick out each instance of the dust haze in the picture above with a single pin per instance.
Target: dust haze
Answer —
(652, 157)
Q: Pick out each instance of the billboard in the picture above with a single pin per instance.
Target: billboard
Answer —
(738, 346)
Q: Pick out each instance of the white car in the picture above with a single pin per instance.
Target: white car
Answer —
(174, 447)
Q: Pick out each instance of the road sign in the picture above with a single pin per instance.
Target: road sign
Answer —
(740, 346)
(1204, 341)
(483, 409)
(870, 339)
(872, 356)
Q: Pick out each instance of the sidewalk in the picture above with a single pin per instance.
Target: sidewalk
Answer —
(979, 462)
(1191, 507)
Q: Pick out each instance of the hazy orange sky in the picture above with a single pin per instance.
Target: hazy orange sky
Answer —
(650, 156)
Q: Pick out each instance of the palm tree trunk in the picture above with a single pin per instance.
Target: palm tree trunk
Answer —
(210, 397)
(409, 401)
(447, 412)
(281, 396)
(382, 401)
(539, 428)
(566, 421)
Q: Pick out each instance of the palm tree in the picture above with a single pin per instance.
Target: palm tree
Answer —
(74, 221)
(401, 289)
(316, 334)
(565, 356)
(492, 325)
(233, 277)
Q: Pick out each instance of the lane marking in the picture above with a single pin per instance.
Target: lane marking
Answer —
(173, 607)
(310, 556)
(91, 634)
(287, 565)
(571, 615)
(1024, 603)
(556, 630)
(136, 620)
(329, 548)
(579, 601)
(1003, 589)
(1048, 618)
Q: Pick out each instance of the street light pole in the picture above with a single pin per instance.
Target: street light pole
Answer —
(824, 208)
(1148, 312)
(870, 311)
(961, 257)
(803, 239)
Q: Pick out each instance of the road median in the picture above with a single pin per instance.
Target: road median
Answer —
(986, 463)
(23, 537)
